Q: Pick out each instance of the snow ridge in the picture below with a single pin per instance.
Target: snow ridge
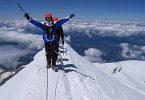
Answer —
(77, 79)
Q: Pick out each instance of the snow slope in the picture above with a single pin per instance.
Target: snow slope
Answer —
(77, 79)
(130, 72)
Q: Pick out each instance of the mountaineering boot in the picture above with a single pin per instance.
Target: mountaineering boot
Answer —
(48, 66)
(55, 68)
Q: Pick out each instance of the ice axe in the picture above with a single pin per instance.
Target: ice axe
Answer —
(21, 8)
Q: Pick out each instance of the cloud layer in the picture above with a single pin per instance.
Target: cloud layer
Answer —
(108, 37)
(106, 28)
(17, 39)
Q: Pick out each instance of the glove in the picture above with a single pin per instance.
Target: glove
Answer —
(27, 16)
(72, 15)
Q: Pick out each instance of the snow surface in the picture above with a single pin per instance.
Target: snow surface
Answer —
(78, 79)
(130, 72)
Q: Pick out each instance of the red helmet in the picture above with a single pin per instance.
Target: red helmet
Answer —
(48, 14)
(54, 18)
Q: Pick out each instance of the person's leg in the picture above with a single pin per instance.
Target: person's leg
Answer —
(55, 54)
(48, 56)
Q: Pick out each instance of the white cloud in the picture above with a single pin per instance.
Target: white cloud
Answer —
(143, 49)
(10, 55)
(15, 31)
(106, 28)
(125, 51)
(93, 55)
(21, 33)
(132, 52)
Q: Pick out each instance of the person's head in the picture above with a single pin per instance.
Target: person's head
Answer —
(54, 19)
(48, 17)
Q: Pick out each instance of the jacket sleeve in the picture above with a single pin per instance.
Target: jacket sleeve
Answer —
(60, 22)
(36, 23)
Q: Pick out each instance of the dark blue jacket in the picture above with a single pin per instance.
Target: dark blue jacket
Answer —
(52, 38)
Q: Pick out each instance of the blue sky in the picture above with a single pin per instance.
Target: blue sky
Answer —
(133, 10)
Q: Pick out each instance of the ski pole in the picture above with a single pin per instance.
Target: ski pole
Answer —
(20, 7)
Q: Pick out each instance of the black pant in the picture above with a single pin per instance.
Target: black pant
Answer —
(51, 53)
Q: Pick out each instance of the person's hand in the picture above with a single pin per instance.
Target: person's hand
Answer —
(27, 16)
(71, 16)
